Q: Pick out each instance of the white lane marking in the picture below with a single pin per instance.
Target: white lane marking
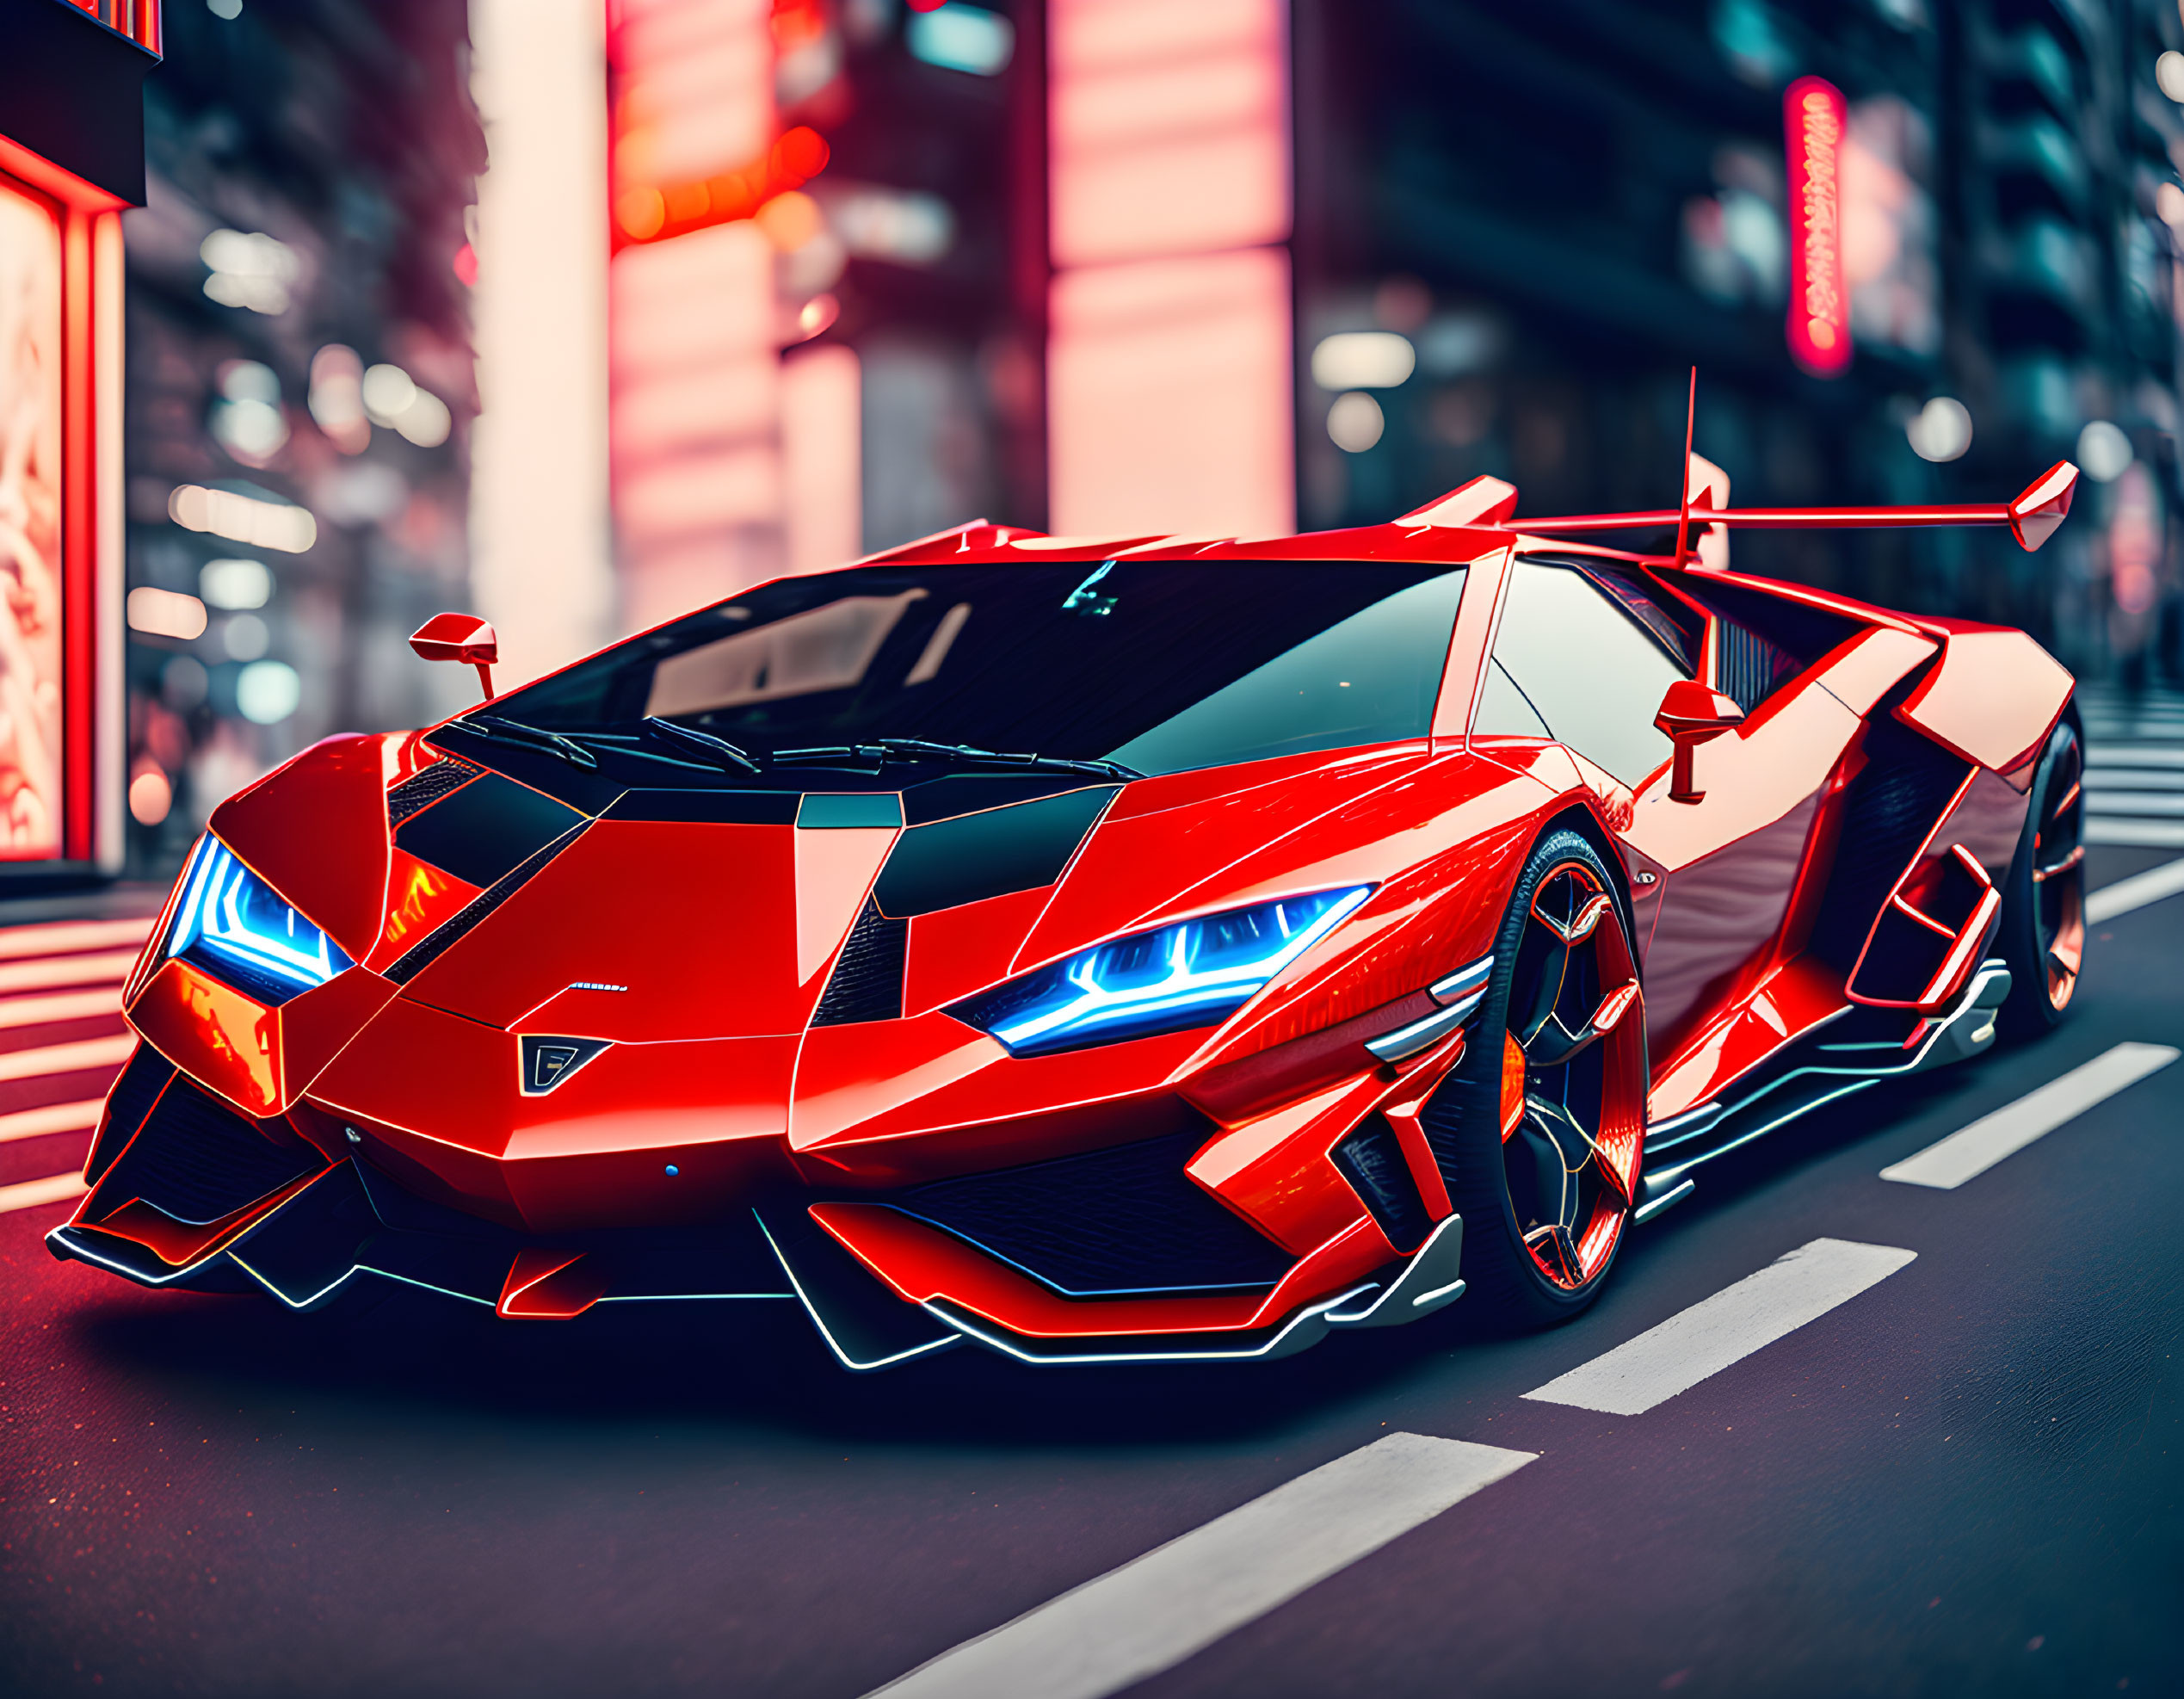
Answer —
(77, 1057)
(45, 973)
(2134, 893)
(30, 1193)
(2105, 758)
(1179, 1598)
(75, 1005)
(1972, 1150)
(55, 936)
(39, 1123)
(2144, 834)
(1726, 1328)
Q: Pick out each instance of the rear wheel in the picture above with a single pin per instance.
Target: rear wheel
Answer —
(1538, 1131)
(2043, 924)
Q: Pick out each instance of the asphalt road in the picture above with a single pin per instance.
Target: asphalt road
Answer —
(1965, 1479)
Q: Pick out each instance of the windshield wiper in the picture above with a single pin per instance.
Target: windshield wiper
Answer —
(703, 745)
(918, 748)
(499, 730)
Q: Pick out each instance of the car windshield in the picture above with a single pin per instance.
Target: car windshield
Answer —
(1160, 665)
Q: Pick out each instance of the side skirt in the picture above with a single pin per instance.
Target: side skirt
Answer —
(1818, 1073)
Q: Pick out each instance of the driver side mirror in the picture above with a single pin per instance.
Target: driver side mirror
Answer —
(1691, 714)
(459, 637)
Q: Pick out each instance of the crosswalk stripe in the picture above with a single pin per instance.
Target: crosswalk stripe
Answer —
(1155, 1611)
(30, 1193)
(46, 972)
(54, 937)
(33, 1011)
(76, 1058)
(2135, 892)
(1700, 1341)
(2142, 834)
(48, 1119)
(1972, 1150)
(2132, 804)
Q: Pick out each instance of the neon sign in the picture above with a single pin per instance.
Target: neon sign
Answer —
(1815, 121)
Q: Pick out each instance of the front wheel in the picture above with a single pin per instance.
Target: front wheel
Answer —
(1540, 1130)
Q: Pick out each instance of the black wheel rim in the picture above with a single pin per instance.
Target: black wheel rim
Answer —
(1573, 1078)
(2059, 869)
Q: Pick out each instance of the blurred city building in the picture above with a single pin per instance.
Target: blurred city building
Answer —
(754, 286)
(299, 387)
(1124, 266)
(1560, 208)
(71, 159)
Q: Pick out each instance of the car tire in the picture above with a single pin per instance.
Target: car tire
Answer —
(2042, 937)
(1524, 1109)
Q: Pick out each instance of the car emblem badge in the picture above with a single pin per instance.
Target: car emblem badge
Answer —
(547, 1062)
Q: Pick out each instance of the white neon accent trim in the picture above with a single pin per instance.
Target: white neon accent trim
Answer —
(84, 1254)
(293, 1304)
(834, 1345)
(1001, 1342)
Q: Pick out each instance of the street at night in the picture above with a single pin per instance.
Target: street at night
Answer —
(1966, 1478)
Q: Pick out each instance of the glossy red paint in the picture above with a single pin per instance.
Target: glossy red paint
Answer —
(316, 831)
(546, 1285)
(698, 953)
(1993, 697)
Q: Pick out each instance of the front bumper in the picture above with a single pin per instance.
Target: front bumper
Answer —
(1108, 1256)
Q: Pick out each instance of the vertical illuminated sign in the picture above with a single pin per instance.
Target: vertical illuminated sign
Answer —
(30, 528)
(1169, 359)
(1815, 121)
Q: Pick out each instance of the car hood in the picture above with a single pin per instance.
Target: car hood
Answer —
(698, 943)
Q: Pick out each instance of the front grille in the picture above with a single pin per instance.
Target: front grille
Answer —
(420, 790)
(133, 1093)
(1894, 802)
(198, 1160)
(866, 984)
(1106, 1224)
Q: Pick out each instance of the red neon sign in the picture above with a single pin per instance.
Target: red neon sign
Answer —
(1815, 121)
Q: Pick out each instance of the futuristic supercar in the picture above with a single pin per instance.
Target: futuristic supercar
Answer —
(1141, 949)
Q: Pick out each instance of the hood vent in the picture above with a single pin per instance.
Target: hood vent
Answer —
(867, 981)
(422, 790)
(428, 948)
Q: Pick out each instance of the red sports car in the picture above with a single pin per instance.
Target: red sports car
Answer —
(1141, 949)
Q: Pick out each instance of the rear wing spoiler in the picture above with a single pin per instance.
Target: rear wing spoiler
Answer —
(2032, 518)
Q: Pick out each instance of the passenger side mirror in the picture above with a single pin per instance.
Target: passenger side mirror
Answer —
(1691, 714)
(459, 637)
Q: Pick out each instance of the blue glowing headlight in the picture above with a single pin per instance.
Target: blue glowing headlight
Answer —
(234, 925)
(1191, 974)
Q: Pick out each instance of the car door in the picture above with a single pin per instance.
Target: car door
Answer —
(1587, 651)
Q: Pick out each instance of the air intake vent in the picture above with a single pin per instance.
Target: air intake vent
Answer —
(1107, 1223)
(419, 790)
(1372, 1160)
(868, 982)
(134, 1093)
(428, 948)
(1748, 669)
(1893, 804)
(197, 1160)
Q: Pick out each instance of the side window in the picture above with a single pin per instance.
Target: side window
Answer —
(1586, 667)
